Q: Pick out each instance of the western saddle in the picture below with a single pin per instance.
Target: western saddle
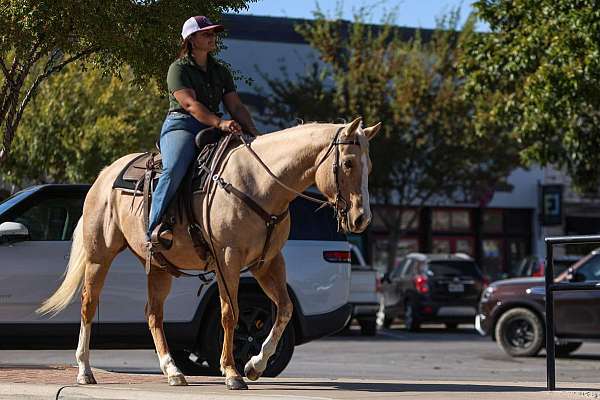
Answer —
(140, 176)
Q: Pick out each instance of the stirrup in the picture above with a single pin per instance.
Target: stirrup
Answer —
(162, 237)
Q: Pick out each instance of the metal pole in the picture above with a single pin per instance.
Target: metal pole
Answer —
(549, 277)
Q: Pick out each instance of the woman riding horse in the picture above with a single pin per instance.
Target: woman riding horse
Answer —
(197, 84)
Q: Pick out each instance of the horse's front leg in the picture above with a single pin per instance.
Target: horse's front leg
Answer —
(159, 286)
(272, 280)
(228, 280)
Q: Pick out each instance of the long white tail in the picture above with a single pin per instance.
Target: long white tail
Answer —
(73, 276)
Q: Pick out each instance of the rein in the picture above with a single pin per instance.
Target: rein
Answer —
(341, 212)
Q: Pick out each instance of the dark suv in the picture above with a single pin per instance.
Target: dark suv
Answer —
(441, 288)
(512, 311)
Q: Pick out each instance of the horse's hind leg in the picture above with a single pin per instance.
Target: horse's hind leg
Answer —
(159, 285)
(271, 278)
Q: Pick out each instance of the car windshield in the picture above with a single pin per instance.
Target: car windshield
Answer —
(454, 268)
(14, 199)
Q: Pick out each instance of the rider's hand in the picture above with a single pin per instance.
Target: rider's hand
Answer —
(230, 126)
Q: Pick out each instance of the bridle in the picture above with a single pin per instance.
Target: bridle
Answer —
(340, 205)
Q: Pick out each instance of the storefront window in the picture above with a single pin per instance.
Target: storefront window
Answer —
(441, 246)
(492, 258)
(441, 220)
(446, 245)
(460, 220)
(465, 246)
(451, 220)
(380, 252)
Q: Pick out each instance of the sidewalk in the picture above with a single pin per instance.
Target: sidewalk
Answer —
(36, 383)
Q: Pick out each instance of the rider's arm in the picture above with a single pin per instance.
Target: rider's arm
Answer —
(187, 99)
(239, 112)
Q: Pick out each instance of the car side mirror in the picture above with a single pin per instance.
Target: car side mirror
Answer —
(13, 232)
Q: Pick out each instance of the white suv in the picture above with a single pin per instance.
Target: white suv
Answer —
(36, 226)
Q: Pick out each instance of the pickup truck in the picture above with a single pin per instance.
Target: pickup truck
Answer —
(363, 293)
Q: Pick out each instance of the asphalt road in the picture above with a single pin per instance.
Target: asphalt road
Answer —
(432, 354)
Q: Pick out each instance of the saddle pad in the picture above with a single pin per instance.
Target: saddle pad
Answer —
(129, 177)
(133, 172)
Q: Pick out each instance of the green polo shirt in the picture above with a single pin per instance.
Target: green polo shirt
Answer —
(210, 86)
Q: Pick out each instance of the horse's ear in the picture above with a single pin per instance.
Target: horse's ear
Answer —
(372, 130)
(353, 126)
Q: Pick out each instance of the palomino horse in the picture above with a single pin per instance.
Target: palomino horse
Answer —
(300, 157)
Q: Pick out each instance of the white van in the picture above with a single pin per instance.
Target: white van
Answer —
(36, 226)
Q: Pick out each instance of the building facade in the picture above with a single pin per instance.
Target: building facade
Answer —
(499, 234)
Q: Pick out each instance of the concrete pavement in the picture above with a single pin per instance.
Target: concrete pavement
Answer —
(56, 382)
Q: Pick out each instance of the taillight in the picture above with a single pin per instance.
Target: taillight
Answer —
(337, 256)
(421, 284)
(539, 270)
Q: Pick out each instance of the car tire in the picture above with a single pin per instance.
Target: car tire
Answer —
(368, 327)
(565, 349)
(520, 332)
(451, 326)
(412, 322)
(256, 313)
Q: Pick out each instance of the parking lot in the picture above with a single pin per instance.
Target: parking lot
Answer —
(431, 354)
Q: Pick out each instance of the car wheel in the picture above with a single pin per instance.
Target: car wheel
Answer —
(565, 349)
(411, 318)
(254, 325)
(368, 327)
(451, 326)
(520, 332)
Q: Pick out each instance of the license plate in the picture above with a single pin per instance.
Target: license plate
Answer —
(456, 287)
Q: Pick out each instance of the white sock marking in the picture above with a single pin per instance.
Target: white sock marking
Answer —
(82, 355)
(266, 351)
(167, 365)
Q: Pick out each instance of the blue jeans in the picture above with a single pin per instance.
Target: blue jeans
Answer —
(178, 150)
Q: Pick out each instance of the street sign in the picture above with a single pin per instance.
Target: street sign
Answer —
(552, 204)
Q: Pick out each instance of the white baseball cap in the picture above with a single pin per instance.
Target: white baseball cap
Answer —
(199, 23)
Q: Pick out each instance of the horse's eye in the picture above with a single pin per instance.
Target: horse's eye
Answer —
(347, 164)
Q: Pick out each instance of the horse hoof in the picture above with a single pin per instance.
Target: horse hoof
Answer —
(87, 379)
(177, 380)
(235, 383)
(251, 372)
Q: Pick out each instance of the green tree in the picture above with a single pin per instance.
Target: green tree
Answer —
(38, 38)
(80, 122)
(536, 79)
(428, 151)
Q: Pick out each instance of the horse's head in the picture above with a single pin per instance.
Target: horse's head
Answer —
(343, 175)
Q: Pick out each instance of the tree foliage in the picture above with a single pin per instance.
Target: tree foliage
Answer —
(535, 78)
(428, 150)
(80, 122)
(38, 38)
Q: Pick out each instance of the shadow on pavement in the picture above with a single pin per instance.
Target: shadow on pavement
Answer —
(380, 387)
(425, 334)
